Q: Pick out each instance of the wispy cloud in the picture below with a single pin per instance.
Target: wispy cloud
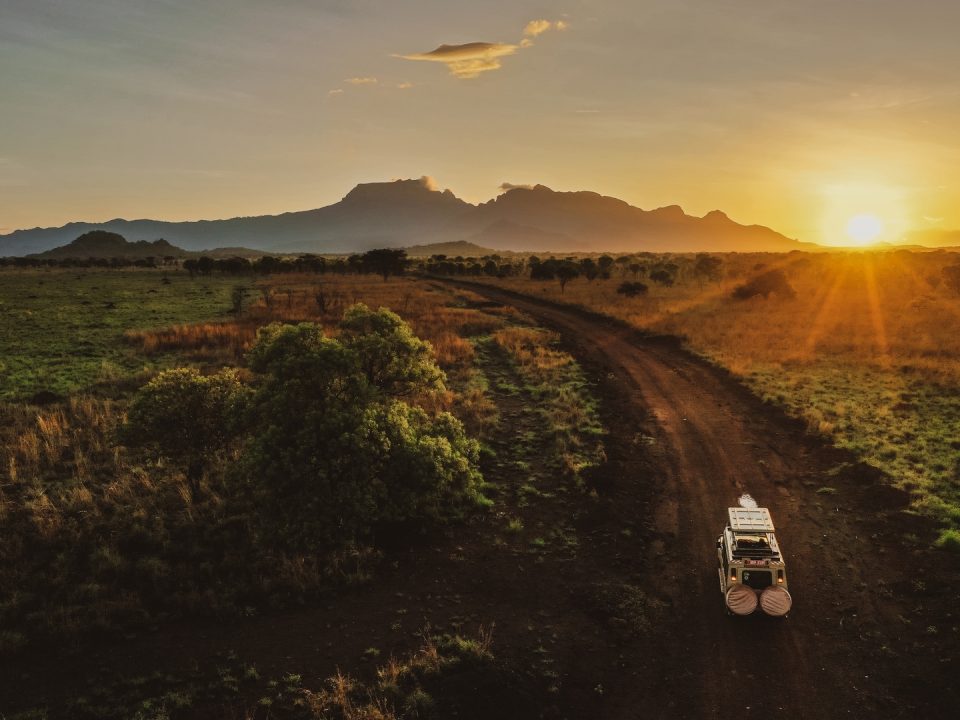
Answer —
(515, 186)
(361, 81)
(404, 85)
(335, 91)
(538, 27)
(469, 60)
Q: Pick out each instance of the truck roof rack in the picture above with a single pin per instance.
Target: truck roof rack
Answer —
(750, 520)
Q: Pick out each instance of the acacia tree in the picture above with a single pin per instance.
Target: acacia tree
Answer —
(663, 277)
(383, 261)
(707, 267)
(186, 418)
(605, 263)
(566, 272)
(589, 269)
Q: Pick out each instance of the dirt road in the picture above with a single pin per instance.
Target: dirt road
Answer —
(864, 637)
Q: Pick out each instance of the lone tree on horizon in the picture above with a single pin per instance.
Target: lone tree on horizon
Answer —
(566, 272)
(384, 261)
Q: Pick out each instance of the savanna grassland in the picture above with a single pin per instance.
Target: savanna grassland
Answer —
(102, 539)
(62, 329)
(284, 500)
(863, 346)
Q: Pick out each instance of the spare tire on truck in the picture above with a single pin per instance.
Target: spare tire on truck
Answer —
(776, 601)
(741, 600)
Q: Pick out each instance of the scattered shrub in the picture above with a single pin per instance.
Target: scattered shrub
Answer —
(632, 289)
(949, 540)
(186, 417)
(772, 282)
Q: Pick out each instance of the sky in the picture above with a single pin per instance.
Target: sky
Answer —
(794, 114)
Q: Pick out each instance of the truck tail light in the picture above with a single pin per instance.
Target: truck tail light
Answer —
(733, 577)
(779, 577)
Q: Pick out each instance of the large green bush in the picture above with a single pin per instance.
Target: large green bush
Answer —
(332, 452)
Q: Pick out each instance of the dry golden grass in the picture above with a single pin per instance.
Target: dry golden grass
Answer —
(476, 410)
(887, 310)
(200, 340)
(435, 313)
(534, 350)
(398, 689)
(71, 438)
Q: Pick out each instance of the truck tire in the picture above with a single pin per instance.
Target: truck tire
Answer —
(776, 601)
(741, 600)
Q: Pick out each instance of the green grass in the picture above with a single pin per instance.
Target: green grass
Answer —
(903, 424)
(568, 409)
(62, 330)
(949, 540)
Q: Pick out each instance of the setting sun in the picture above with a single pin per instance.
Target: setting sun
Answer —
(864, 228)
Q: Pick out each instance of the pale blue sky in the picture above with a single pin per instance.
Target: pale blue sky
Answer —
(791, 114)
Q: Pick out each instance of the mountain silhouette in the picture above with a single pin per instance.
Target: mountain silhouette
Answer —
(104, 244)
(410, 212)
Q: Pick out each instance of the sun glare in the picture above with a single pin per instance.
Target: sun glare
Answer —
(861, 214)
(863, 229)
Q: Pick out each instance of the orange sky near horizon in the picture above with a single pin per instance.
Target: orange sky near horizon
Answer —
(799, 116)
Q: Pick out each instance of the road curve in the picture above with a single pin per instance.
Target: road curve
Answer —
(713, 442)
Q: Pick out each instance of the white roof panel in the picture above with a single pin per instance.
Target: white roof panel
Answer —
(750, 519)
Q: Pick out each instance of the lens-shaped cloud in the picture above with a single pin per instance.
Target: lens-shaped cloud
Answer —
(468, 60)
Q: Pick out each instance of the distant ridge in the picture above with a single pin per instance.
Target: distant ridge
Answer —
(410, 213)
(99, 244)
(450, 249)
(104, 244)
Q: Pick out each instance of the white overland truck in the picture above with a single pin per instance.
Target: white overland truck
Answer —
(752, 571)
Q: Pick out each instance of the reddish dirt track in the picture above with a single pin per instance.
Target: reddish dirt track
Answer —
(860, 641)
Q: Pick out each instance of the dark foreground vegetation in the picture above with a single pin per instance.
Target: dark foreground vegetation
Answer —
(292, 445)
(296, 468)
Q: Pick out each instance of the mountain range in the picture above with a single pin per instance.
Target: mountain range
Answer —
(409, 212)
